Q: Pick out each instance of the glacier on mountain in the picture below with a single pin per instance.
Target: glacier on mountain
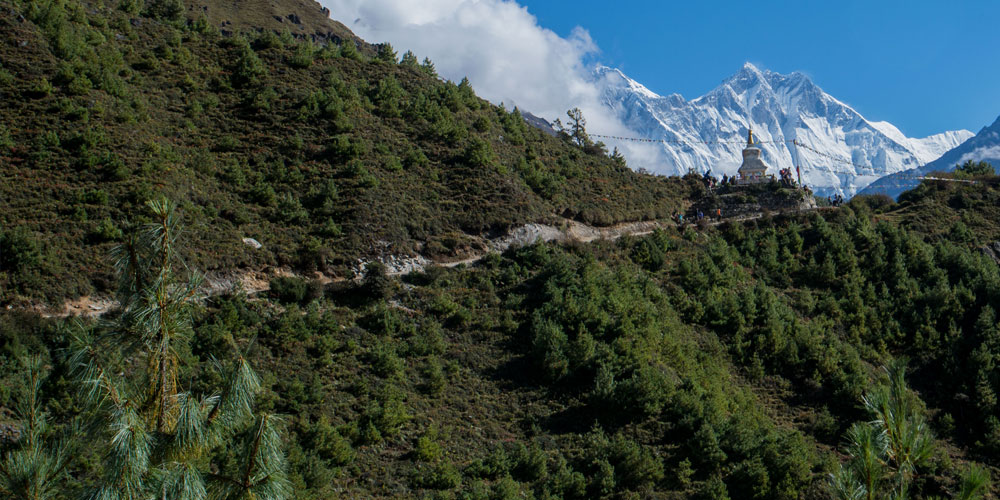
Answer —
(708, 133)
(984, 146)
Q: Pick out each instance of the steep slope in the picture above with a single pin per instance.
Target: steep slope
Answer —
(985, 146)
(301, 18)
(779, 108)
(319, 152)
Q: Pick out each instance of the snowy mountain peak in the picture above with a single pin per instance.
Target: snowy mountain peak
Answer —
(779, 108)
(613, 77)
(984, 146)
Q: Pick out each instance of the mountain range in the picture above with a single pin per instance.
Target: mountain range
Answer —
(984, 146)
(843, 151)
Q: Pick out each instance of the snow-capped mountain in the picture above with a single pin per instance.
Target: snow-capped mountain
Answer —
(712, 129)
(985, 146)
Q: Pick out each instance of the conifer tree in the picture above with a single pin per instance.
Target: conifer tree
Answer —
(33, 465)
(386, 53)
(409, 60)
(886, 452)
(578, 128)
(158, 440)
(428, 67)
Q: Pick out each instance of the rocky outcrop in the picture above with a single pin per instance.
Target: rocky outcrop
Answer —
(746, 201)
(992, 250)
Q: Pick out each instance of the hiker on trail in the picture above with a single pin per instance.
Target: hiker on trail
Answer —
(725, 179)
(701, 214)
(718, 214)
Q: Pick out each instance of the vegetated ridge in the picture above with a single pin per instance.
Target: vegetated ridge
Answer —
(323, 152)
(703, 361)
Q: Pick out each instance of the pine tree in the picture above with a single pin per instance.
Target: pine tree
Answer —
(34, 465)
(578, 128)
(158, 439)
(886, 452)
(386, 53)
(428, 68)
(409, 60)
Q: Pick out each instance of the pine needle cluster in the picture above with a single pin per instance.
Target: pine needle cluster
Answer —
(159, 439)
(887, 451)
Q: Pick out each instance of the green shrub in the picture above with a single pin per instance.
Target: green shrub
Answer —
(41, 88)
(385, 360)
(19, 250)
(248, 68)
(479, 153)
(303, 56)
(386, 54)
(290, 210)
(441, 476)
(6, 141)
(329, 444)
(427, 449)
(434, 377)
(295, 290)
(429, 339)
(106, 231)
(349, 50)
(167, 10)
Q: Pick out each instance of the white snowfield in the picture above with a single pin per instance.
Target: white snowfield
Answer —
(984, 146)
(778, 108)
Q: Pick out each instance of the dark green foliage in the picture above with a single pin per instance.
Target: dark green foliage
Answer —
(304, 55)
(376, 284)
(973, 169)
(18, 250)
(295, 290)
(168, 10)
(479, 154)
(248, 67)
(718, 362)
(386, 54)
(409, 60)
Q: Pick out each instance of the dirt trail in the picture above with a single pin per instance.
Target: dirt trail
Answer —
(253, 282)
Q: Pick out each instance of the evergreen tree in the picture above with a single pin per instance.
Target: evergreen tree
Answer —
(159, 440)
(886, 452)
(578, 128)
(386, 53)
(972, 169)
(409, 60)
(33, 466)
(428, 67)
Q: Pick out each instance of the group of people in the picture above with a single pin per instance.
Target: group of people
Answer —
(835, 201)
(699, 215)
(711, 182)
(786, 177)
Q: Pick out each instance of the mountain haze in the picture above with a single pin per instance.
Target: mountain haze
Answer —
(779, 108)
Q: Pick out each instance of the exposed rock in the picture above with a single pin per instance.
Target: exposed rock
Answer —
(250, 242)
(992, 250)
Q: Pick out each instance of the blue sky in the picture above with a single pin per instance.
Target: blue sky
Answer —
(925, 66)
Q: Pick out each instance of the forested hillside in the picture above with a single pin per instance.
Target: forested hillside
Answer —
(323, 153)
(848, 352)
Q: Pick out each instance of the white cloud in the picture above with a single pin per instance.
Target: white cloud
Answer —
(500, 47)
(987, 153)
